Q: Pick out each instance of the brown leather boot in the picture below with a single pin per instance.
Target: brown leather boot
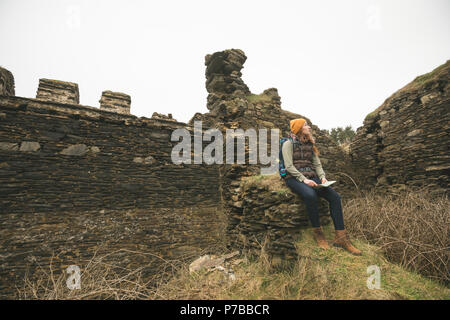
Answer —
(342, 240)
(320, 238)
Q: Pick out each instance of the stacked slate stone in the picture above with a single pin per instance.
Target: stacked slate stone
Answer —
(6, 83)
(241, 109)
(161, 116)
(58, 91)
(115, 102)
(223, 72)
(267, 217)
(273, 94)
(405, 141)
(226, 89)
(364, 150)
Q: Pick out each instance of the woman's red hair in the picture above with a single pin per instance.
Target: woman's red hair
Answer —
(308, 137)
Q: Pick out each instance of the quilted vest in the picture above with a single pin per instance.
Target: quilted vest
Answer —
(302, 159)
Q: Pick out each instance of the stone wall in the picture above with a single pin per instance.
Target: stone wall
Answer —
(74, 179)
(405, 141)
(62, 157)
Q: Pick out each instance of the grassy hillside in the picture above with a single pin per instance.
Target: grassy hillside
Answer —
(318, 274)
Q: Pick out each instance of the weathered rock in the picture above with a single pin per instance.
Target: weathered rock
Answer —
(75, 150)
(58, 91)
(6, 83)
(8, 146)
(157, 115)
(223, 81)
(115, 102)
(211, 263)
(95, 149)
(29, 146)
(149, 160)
(202, 262)
(146, 160)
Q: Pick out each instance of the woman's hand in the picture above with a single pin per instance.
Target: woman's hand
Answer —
(324, 180)
(310, 183)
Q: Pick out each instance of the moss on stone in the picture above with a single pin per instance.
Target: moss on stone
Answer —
(416, 84)
(271, 182)
(423, 79)
(255, 98)
(371, 115)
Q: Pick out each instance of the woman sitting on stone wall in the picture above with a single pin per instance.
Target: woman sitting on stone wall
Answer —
(304, 172)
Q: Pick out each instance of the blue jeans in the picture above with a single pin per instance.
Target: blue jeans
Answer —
(310, 197)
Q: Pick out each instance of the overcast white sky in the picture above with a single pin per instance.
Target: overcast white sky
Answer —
(331, 61)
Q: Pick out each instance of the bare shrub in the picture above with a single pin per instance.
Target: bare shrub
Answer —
(411, 227)
(102, 279)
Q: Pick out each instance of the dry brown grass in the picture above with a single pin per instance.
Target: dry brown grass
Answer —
(411, 227)
(102, 279)
(406, 234)
(316, 275)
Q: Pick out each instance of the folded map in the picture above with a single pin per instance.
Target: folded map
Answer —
(324, 185)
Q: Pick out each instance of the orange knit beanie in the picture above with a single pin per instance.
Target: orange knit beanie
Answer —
(297, 125)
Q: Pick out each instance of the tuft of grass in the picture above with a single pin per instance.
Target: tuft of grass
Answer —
(371, 115)
(423, 79)
(283, 192)
(418, 82)
(271, 182)
(256, 98)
